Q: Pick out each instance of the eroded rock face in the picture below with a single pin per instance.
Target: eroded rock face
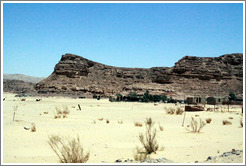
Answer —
(191, 75)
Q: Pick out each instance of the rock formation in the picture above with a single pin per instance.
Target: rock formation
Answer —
(75, 75)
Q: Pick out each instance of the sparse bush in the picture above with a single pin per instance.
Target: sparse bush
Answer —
(148, 140)
(161, 127)
(68, 150)
(179, 111)
(170, 111)
(195, 126)
(173, 111)
(138, 124)
(230, 118)
(226, 122)
(33, 128)
(208, 120)
(59, 113)
(45, 112)
(100, 119)
(107, 121)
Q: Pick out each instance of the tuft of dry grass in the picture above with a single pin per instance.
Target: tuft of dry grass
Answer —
(33, 128)
(195, 126)
(59, 113)
(120, 122)
(148, 140)
(179, 111)
(226, 122)
(230, 117)
(208, 120)
(172, 111)
(100, 119)
(68, 150)
(138, 124)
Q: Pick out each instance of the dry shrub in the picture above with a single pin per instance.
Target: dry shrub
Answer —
(100, 119)
(33, 128)
(138, 124)
(148, 140)
(208, 120)
(68, 150)
(45, 112)
(179, 111)
(241, 122)
(59, 113)
(120, 122)
(161, 127)
(172, 111)
(230, 118)
(195, 126)
(107, 121)
(226, 122)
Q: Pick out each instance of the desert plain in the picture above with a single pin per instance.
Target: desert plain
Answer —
(118, 138)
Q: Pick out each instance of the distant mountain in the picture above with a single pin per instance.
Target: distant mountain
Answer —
(22, 77)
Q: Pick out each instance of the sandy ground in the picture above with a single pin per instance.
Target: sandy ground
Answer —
(110, 141)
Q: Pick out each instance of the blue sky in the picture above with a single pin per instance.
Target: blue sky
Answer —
(124, 35)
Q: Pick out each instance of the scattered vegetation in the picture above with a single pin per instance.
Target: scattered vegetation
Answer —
(226, 122)
(138, 124)
(59, 113)
(107, 121)
(230, 118)
(232, 96)
(68, 150)
(208, 120)
(196, 126)
(173, 111)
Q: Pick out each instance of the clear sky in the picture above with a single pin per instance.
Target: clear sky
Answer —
(124, 35)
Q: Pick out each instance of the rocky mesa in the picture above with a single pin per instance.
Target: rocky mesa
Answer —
(75, 75)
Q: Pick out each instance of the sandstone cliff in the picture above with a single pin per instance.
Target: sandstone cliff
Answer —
(191, 75)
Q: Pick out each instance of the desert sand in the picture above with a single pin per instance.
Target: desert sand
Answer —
(108, 142)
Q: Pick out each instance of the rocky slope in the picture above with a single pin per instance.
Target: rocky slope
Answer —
(18, 86)
(191, 75)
